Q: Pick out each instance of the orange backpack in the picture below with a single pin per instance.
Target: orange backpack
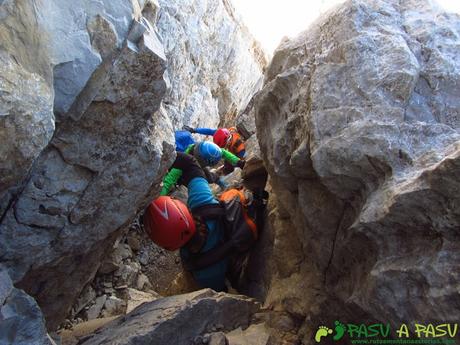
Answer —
(236, 143)
(228, 196)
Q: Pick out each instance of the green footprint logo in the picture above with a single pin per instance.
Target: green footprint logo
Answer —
(340, 329)
(322, 332)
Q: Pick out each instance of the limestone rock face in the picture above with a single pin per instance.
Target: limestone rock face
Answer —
(120, 74)
(162, 321)
(26, 97)
(215, 65)
(79, 36)
(49, 52)
(358, 123)
(21, 320)
(26, 123)
(103, 164)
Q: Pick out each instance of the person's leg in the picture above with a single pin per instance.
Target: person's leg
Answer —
(236, 269)
(256, 209)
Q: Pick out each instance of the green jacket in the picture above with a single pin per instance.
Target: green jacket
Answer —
(171, 178)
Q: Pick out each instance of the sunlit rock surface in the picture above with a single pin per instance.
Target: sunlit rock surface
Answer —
(358, 124)
(178, 319)
(215, 65)
(121, 77)
(102, 165)
(21, 320)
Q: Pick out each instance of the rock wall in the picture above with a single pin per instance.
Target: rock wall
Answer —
(158, 322)
(79, 37)
(26, 96)
(358, 123)
(21, 320)
(215, 65)
(49, 51)
(118, 76)
(100, 167)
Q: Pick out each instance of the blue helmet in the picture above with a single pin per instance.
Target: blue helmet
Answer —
(207, 153)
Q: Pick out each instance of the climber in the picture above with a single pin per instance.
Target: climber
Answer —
(207, 154)
(213, 235)
(229, 139)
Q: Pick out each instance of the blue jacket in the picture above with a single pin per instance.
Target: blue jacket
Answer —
(183, 140)
(213, 277)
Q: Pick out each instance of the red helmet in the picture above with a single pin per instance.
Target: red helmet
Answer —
(221, 137)
(169, 223)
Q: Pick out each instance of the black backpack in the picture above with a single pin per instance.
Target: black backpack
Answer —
(240, 231)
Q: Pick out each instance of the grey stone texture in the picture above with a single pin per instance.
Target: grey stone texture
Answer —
(178, 319)
(21, 320)
(119, 77)
(215, 65)
(101, 167)
(358, 124)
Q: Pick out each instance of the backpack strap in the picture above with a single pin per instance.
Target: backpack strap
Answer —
(209, 211)
(202, 260)
(240, 232)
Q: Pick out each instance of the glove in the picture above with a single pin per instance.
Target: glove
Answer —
(189, 166)
(241, 163)
(188, 128)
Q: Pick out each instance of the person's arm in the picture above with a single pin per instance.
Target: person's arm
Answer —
(170, 180)
(190, 148)
(205, 131)
(230, 157)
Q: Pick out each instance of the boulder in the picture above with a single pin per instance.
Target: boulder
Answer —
(21, 320)
(126, 274)
(134, 243)
(143, 282)
(100, 169)
(358, 125)
(64, 201)
(79, 37)
(217, 338)
(158, 322)
(254, 173)
(26, 123)
(114, 306)
(246, 120)
(254, 335)
(95, 310)
(88, 295)
(136, 298)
